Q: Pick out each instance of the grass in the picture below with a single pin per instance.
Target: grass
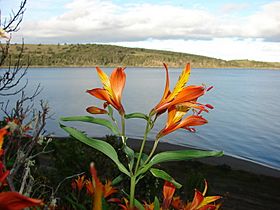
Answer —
(88, 55)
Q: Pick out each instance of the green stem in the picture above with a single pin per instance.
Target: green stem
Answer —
(123, 130)
(132, 191)
(152, 151)
(143, 144)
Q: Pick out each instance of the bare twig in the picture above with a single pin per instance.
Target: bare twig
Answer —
(12, 24)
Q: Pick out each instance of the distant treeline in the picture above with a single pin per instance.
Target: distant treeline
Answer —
(110, 55)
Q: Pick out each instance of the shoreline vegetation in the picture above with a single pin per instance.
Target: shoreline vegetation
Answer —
(90, 55)
(243, 184)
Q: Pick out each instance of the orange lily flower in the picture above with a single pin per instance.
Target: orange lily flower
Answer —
(168, 192)
(126, 205)
(203, 203)
(16, 201)
(174, 121)
(97, 190)
(3, 132)
(96, 110)
(109, 189)
(180, 94)
(80, 182)
(3, 174)
(89, 187)
(149, 206)
(112, 89)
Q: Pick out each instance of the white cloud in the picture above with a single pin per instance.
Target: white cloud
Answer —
(233, 7)
(265, 23)
(224, 48)
(103, 21)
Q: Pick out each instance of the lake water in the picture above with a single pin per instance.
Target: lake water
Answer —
(245, 122)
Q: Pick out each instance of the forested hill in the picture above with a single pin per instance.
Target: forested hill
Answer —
(110, 55)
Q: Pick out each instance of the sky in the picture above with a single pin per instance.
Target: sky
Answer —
(217, 28)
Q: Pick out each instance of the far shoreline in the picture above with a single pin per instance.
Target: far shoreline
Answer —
(179, 67)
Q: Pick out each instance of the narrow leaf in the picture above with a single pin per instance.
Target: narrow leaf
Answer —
(89, 119)
(130, 154)
(177, 156)
(156, 204)
(136, 115)
(144, 157)
(117, 180)
(138, 205)
(100, 145)
(165, 176)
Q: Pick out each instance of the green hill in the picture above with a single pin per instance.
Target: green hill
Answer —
(110, 55)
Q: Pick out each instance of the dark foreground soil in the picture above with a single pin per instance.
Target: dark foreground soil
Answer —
(244, 185)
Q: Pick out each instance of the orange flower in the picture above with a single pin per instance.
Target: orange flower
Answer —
(98, 189)
(180, 94)
(16, 201)
(126, 205)
(89, 187)
(168, 192)
(96, 110)
(3, 132)
(94, 186)
(3, 174)
(109, 189)
(177, 203)
(149, 206)
(203, 203)
(80, 182)
(112, 88)
(174, 121)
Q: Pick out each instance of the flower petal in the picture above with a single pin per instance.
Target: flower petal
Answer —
(105, 81)
(14, 200)
(189, 93)
(96, 110)
(117, 81)
(3, 132)
(184, 77)
(165, 93)
(168, 192)
(192, 120)
(99, 93)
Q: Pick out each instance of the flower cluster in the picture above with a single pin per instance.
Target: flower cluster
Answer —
(94, 188)
(183, 112)
(11, 200)
(180, 101)
(111, 92)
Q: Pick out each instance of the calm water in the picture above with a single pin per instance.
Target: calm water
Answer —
(245, 122)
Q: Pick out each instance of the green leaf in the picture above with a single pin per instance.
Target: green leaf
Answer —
(165, 176)
(136, 115)
(89, 119)
(136, 202)
(144, 157)
(130, 154)
(177, 156)
(101, 146)
(75, 204)
(117, 180)
(138, 205)
(156, 204)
